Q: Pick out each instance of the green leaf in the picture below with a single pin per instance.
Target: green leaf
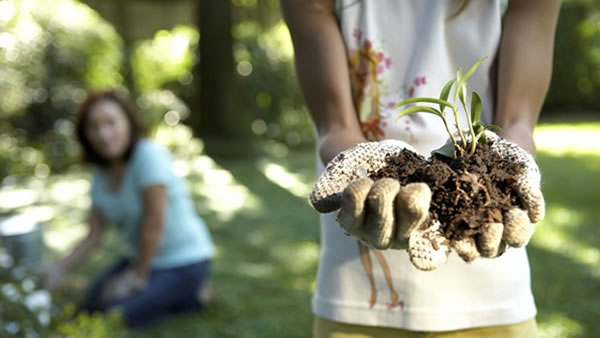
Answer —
(479, 139)
(476, 107)
(493, 127)
(441, 102)
(473, 69)
(478, 127)
(459, 75)
(463, 95)
(463, 78)
(447, 150)
(419, 109)
(483, 140)
(446, 92)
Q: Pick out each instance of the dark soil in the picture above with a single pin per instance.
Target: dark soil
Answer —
(467, 192)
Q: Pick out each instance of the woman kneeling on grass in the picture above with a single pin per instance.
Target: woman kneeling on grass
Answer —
(169, 247)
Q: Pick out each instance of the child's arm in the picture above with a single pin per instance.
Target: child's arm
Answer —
(525, 67)
(322, 68)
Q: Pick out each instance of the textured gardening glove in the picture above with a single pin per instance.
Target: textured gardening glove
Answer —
(382, 214)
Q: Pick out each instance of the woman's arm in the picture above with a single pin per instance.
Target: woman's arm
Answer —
(322, 68)
(87, 245)
(154, 199)
(525, 67)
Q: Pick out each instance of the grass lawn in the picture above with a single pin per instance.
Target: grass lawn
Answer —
(267, 236)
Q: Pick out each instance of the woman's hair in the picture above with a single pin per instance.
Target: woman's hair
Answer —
(136, 127)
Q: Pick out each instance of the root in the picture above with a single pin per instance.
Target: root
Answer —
(488, 200)
(464, 193)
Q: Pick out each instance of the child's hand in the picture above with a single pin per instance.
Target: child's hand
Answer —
(383, 215)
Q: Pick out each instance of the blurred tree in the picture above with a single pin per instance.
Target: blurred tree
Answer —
(50, 53)
(216, 113)
(238, 78)
(265, 69)
(162, 74)
(576, 74)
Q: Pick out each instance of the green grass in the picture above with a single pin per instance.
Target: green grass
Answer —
(267, 237)
(564, 254)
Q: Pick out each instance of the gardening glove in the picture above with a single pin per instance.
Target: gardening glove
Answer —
(122, 286)
(517, 224)
(384, 215)
(380, 213)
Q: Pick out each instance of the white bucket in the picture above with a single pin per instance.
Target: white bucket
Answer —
(21, 238)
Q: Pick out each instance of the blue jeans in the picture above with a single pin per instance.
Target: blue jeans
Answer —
(172, 290)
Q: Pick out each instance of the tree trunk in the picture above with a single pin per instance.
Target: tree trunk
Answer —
(216, 113)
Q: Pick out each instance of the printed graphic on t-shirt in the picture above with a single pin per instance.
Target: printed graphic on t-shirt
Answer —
(365, 259)
(366, 65)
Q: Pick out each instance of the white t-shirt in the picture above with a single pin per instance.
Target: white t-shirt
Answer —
(400, 49)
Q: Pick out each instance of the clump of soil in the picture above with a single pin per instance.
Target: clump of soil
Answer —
(467, 192)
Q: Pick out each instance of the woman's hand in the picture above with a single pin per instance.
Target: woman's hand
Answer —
(53, 275)
(122, 286)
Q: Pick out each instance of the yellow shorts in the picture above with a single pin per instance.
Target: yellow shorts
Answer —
(324, 328)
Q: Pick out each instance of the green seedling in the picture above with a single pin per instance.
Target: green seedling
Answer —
(476, 128)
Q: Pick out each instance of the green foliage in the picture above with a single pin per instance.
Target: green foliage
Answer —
(166, 58)
(17, 319)
(78, 50)
(576, 72)
(54, 52)
(265, 68)
(51, 53)
(91, 326)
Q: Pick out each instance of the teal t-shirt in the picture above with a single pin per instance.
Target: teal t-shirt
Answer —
(185, 239)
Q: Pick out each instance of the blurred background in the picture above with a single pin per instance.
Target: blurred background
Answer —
(216, 83)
